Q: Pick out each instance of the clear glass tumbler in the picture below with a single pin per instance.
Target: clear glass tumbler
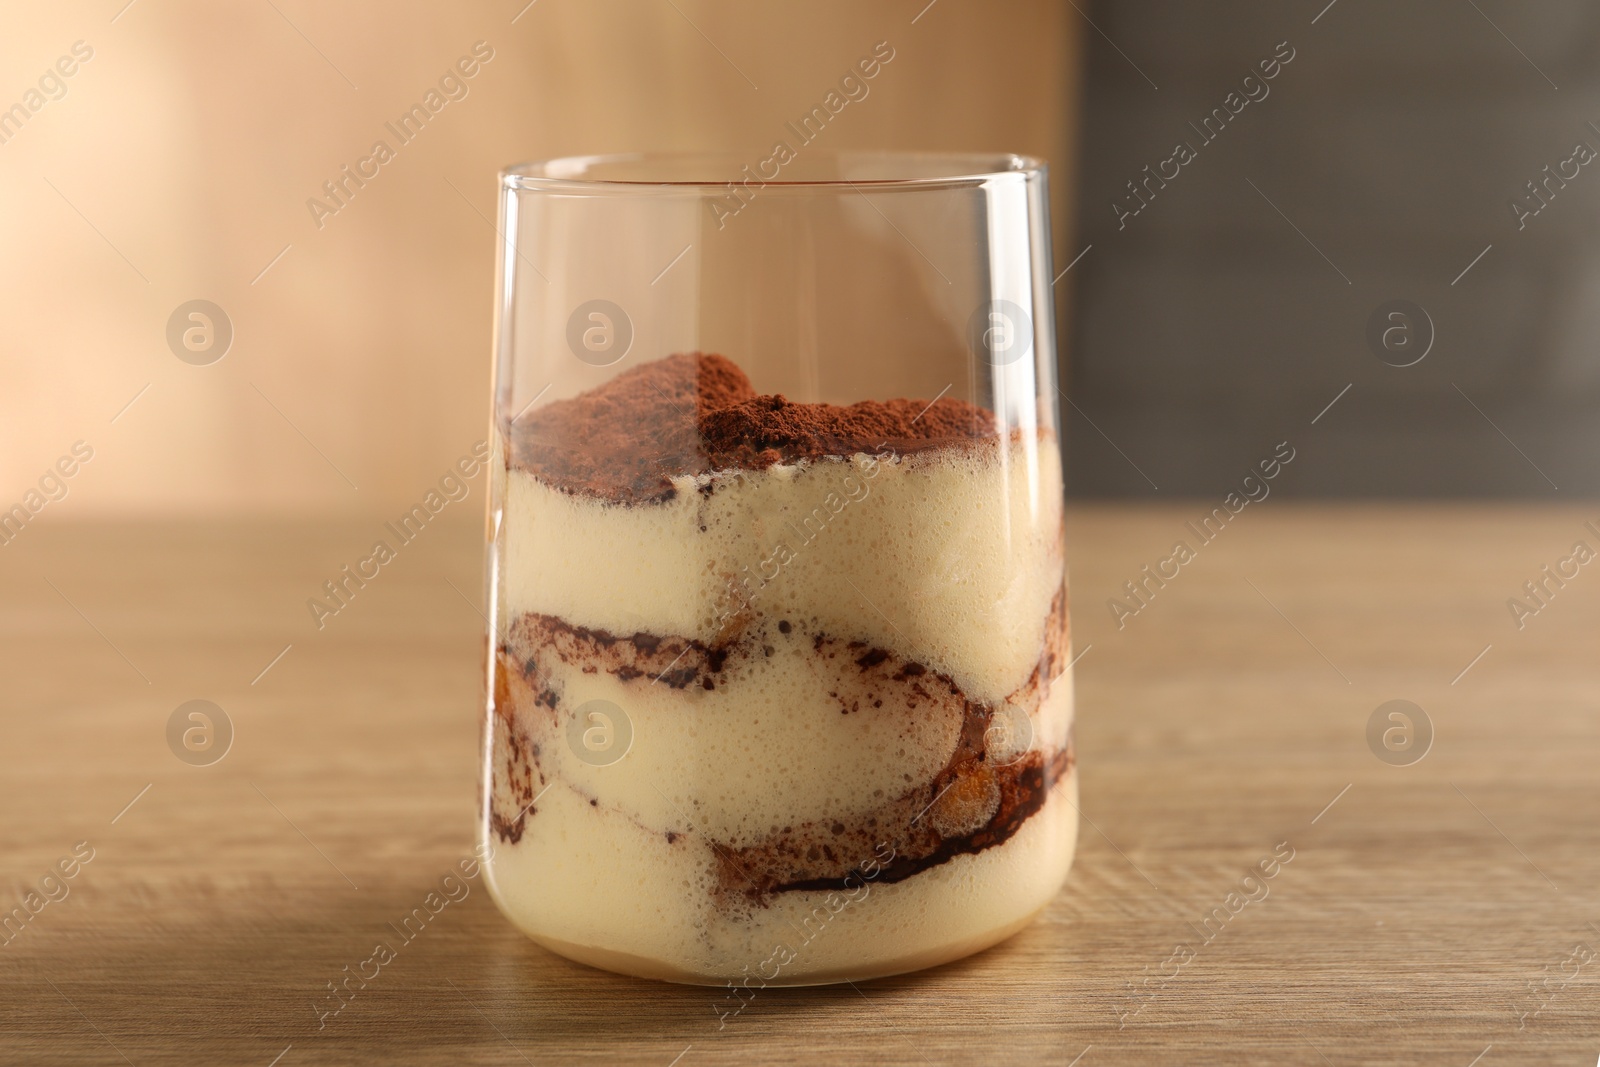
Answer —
(778, 656)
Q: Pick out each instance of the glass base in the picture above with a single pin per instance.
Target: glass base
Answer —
(640, 967)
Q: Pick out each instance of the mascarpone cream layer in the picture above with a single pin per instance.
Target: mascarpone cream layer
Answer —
(949, 557)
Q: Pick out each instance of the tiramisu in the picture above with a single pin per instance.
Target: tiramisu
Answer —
(779, 688)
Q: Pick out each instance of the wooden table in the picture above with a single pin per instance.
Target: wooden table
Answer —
(1430, 912)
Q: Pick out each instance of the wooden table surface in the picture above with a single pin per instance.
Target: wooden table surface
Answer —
(1439, 913)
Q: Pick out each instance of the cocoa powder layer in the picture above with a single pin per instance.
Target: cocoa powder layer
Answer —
(695, 413)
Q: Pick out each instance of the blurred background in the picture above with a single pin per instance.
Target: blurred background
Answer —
(1205, 316)
(1378, 165)
(176, 163)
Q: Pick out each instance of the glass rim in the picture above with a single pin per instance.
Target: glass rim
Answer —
(922, 170)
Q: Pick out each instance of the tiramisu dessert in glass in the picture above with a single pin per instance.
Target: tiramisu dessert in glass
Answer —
(778, 686)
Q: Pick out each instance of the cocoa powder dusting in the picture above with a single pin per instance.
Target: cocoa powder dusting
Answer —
(695, 413)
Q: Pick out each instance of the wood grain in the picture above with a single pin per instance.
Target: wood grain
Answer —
(1221, 721)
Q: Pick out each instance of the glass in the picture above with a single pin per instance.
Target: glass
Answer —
(778, 663)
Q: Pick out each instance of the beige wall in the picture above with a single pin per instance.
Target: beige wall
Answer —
(178, 162)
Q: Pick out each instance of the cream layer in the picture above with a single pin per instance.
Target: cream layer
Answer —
(950, 558)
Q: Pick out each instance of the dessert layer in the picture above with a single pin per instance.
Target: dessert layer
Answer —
(950, 557)
(791, 752)
(595, 886)
(634, 438)
(910, 526)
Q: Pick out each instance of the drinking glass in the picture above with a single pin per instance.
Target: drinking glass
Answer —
(778, 661)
